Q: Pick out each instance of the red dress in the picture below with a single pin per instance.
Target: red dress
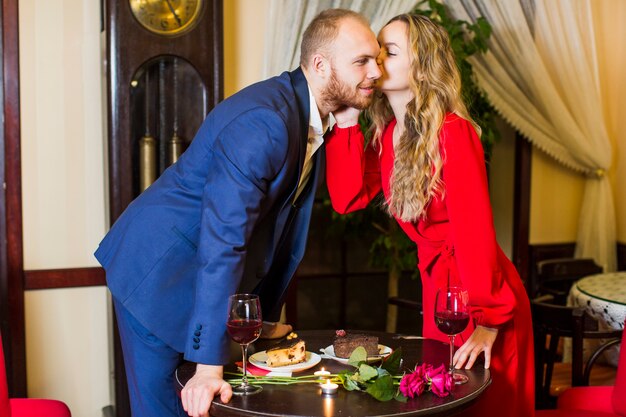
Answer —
(456, 241)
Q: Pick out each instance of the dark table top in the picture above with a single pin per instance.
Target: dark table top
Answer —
(306, 400)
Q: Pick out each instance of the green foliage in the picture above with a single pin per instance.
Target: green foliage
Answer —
(379, 382)
(466, 40)
(391, 248)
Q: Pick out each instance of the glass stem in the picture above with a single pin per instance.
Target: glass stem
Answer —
(451, 354)
(244, 353)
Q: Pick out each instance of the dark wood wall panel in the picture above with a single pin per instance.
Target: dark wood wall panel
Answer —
(13, 274)
(63, 278)
(521, 204)
(621, 256)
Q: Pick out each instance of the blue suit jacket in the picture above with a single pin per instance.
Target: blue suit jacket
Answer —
(220, 220)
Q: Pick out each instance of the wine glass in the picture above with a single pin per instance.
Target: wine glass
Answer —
(452, 317)
(244, 327)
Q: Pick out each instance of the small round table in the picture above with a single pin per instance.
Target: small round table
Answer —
(604, 297)
(306, 400)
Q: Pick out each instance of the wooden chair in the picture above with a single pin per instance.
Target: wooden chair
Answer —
(599, 399)
(552, 322)
(556, 276)
(392, 320)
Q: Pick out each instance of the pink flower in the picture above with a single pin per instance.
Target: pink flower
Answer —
(423, 370)
(441, 384)
(412, 385)
(425, 377)
(431, 373)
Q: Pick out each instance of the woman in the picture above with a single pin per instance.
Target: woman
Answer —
(427, 159)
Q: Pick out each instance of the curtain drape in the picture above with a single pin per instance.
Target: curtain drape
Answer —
(541, 74)
(289, 19)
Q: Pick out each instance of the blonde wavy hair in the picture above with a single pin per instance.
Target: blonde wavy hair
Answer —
(436, 84)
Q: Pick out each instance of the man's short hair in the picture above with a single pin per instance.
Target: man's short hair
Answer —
(323, 30)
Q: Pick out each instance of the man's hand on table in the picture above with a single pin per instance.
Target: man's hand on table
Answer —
(481, 340)
(207, 383)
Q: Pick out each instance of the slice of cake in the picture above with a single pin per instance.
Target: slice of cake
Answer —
(345, 343)
(287, 352)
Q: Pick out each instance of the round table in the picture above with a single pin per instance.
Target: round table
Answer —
(306, 400)
(604, 297)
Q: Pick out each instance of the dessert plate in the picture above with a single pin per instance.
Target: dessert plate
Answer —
(259, 358)
(383, 351)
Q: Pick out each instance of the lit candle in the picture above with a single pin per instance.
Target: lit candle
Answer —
(321, 372)
(329, 388)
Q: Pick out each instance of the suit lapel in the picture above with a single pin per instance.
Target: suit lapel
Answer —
(302, 95)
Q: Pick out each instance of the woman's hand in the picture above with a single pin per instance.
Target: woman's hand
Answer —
(200, 390)
(481, 340)
(346, 116)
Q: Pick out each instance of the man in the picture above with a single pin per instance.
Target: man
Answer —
(231, 215)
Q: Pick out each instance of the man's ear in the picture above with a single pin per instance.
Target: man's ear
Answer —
(320, 65)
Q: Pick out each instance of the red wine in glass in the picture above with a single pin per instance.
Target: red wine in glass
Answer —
(451, 322)
(244, 327)
(244, 331)
(451, 318)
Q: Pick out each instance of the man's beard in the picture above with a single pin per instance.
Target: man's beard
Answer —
(339, 94)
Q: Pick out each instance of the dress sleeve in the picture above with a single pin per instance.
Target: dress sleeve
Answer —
(352, 171)
(471, 224)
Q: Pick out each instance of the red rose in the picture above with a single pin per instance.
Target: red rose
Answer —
(412, 385)
(441, 384)
(425, 377)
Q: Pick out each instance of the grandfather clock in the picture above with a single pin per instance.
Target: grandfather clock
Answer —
(164, 74)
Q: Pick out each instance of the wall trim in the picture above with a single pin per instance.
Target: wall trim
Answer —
(63, 278)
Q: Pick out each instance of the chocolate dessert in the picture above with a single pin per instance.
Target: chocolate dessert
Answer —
(345, 344)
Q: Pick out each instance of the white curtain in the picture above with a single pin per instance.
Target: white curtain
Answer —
(290, 17)
(541, 74)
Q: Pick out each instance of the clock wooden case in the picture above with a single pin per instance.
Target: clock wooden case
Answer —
(163, 75)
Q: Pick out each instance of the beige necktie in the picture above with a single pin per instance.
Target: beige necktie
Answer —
(306, 169)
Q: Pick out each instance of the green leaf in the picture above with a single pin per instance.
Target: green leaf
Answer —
(358, 355)
(400, 397)
(392, 362)
(367, 372)
(351, 385)
(382, 389)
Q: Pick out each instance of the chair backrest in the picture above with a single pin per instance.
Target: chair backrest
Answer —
(556, 276)
(551, 322)
(5, 407)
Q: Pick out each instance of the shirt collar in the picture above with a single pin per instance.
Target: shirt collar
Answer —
(316, 123)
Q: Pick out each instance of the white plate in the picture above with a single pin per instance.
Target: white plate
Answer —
(383, 351)
(259, 358)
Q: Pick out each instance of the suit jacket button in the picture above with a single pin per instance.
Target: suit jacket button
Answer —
(196, 339)
(198, 327)
(196, 346)
(197, 333)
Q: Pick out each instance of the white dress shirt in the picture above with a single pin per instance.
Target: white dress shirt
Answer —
(317, 128)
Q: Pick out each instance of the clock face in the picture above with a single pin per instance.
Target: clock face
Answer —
(167, 17)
